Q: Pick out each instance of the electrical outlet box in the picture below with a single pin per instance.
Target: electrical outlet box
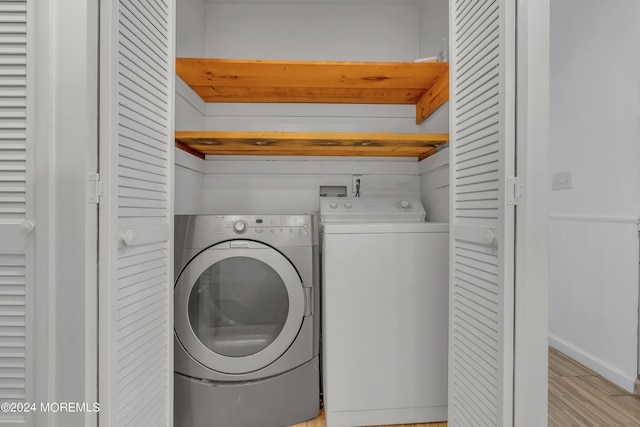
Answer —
(356, 181)
(562, 181)
(333, 191)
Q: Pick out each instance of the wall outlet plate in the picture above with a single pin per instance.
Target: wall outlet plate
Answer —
(562, 181)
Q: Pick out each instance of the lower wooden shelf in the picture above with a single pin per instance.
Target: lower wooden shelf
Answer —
(310, 143)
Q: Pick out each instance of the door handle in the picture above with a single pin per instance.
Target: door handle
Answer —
(28, 226)
(128, 237)
(240, 244)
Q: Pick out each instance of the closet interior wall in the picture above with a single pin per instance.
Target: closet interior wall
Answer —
(381, 30)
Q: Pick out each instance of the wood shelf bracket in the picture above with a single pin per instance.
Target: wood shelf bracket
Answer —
(433, 98)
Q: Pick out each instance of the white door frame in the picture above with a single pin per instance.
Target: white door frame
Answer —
(532, 215)
(65, 41)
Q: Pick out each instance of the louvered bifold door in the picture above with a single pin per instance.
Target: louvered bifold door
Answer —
(482, 233)
(17, 231)
(136, 164)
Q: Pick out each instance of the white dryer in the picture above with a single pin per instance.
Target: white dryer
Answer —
(384, 312)
(246, 334)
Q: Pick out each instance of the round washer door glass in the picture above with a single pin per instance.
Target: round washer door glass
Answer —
(238, 310)
(238, 306)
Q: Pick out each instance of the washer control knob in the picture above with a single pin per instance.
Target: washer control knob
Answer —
(348, 205)
(333, 205)
(404, 204)
(240, 227)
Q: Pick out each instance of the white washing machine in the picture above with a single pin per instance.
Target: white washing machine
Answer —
(384, 311)
(246, 335)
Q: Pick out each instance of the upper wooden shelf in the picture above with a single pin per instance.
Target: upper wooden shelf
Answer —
(425, 84)
(310, 143)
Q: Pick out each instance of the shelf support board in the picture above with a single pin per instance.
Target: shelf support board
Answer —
(184, 147)
(433, 98)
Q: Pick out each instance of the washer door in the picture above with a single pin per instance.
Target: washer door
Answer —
(238, 306)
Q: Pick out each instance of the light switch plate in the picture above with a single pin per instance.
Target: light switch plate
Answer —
(562, 181)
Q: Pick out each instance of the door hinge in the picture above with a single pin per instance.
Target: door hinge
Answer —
(95, 188)
(515, 190)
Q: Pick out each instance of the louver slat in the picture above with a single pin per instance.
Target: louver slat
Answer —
(12, 332)
(141, 95)
(13, 209)
(13, 151)
(479, 394)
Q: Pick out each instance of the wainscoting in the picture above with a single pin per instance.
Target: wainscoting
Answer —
(593, 315)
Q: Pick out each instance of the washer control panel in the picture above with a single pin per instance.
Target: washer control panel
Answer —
(240, 226)
(274, 230)
(371, 209)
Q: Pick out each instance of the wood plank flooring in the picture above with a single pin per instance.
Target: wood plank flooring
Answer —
(578, 397)
(319, 422)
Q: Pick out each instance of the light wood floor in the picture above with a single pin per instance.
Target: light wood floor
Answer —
(578, 397)
(319, 422)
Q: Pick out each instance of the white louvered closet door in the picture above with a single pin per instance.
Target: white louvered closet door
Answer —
(136, 169)
(17, 262)
(482, 38)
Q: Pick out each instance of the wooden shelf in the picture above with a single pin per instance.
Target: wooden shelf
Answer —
(425, 84)
(311, 143)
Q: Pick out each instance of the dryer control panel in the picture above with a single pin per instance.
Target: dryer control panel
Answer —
(274, 230)
(371, 209)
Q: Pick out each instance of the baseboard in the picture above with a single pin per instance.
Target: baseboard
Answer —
(603, 368)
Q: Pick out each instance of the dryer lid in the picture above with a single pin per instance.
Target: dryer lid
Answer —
(371, 209)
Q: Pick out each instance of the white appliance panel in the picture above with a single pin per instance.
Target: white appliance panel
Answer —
(386, 227)
(385, 301)
(371, 209)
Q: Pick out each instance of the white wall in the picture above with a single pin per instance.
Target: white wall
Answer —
(595, 134)
(189, 183)
(248, 184)
(189, 109)
(434, 26)
(366, 31)
(190, 27)
(594, 295)
(317, 31)
(434, 186)
(190, 30)
(434, 170)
